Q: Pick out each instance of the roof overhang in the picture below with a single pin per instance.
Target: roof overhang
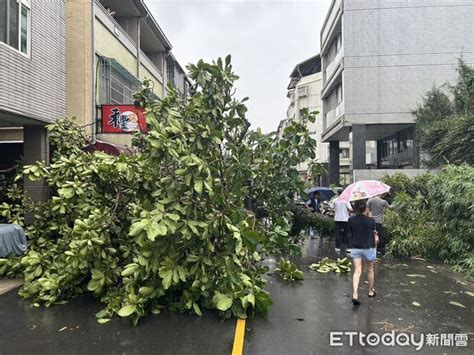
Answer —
(9, 118)
(340, 129)
(153, 39)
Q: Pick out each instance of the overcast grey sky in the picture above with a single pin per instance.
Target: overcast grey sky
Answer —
(266, 39)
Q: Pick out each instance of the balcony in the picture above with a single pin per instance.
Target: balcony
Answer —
(150, 66)
(331, 19)
(339, 110)
(333, 115)
(332, 67)
(329, 118)
(124, 49)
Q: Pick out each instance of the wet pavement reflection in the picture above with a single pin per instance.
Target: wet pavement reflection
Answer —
(299, 321)
(305, 312)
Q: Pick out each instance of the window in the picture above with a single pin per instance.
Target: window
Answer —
(170, 69)
(302, 91)
(15, 24)
(338, 94)
(338, 41)
(116, 85)
(344, 153)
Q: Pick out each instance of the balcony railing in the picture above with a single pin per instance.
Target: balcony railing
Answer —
(150, 66)
(330, 118)
(118, 30)
(334, 114)
(339, 111)
(330, 20)
(329, 71)
(104, 16)
(332, 67)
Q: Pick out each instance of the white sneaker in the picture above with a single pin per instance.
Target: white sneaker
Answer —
(348, 250)
(337, 250)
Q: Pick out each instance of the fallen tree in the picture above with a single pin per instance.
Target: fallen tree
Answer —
(181, 225)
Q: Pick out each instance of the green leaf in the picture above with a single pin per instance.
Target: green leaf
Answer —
(198, 184)
(66, 192)
(167, 277)
(457, 304)
(137, 227)
(173, 216)
(469, 293)
(197, 309)
(129, 269)
(155, 229)
(221, 301)
(145, 291)
(127, 310)
(103, 320)
(250, 238)
(93, 285)
(248, 299)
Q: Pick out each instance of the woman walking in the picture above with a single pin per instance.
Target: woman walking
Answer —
(364, 241)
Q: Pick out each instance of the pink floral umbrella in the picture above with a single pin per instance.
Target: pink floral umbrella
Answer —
(363, 189)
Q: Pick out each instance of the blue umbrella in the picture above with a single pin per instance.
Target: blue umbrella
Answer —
(324, 192)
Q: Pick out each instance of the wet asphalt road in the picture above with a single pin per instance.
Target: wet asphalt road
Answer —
(304, 313)
(298, 323)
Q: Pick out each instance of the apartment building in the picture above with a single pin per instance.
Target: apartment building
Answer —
(112, 46)
(378, 59)
(32, 80)
(75, 58)
(304, 92)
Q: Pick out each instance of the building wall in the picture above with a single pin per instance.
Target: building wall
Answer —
(157, 84)
(35, 87)
(108, 45)
(80, 62)
(313, 103)
(377, 174)
(90, 29)
(395, 51)
(123, 139)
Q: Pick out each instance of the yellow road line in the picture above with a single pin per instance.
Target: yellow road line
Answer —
(239, 337)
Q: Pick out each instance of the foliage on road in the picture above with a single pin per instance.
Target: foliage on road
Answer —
(288, 270)
(434, 217)
(181, 225)
(445, 127)
(327, 265)
(304, 218)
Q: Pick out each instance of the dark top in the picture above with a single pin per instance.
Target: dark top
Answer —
(314, 204)
(362, 231)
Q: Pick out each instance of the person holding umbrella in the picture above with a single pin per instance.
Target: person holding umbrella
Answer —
(364, 241)
(314, 204)
(364, 235)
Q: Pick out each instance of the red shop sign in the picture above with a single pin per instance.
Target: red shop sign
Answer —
(123, 119)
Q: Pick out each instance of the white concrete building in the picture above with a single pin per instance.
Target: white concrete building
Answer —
(378, 59)
(304, 92)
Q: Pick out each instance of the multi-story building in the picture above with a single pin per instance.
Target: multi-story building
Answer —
(304, 92)
(378, 59)
(69, 58)
(32, 79)
(112, 46)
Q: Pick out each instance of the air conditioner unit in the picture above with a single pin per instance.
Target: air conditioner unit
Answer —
(302, 91)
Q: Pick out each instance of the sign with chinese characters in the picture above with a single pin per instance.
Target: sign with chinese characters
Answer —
(123, 119)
